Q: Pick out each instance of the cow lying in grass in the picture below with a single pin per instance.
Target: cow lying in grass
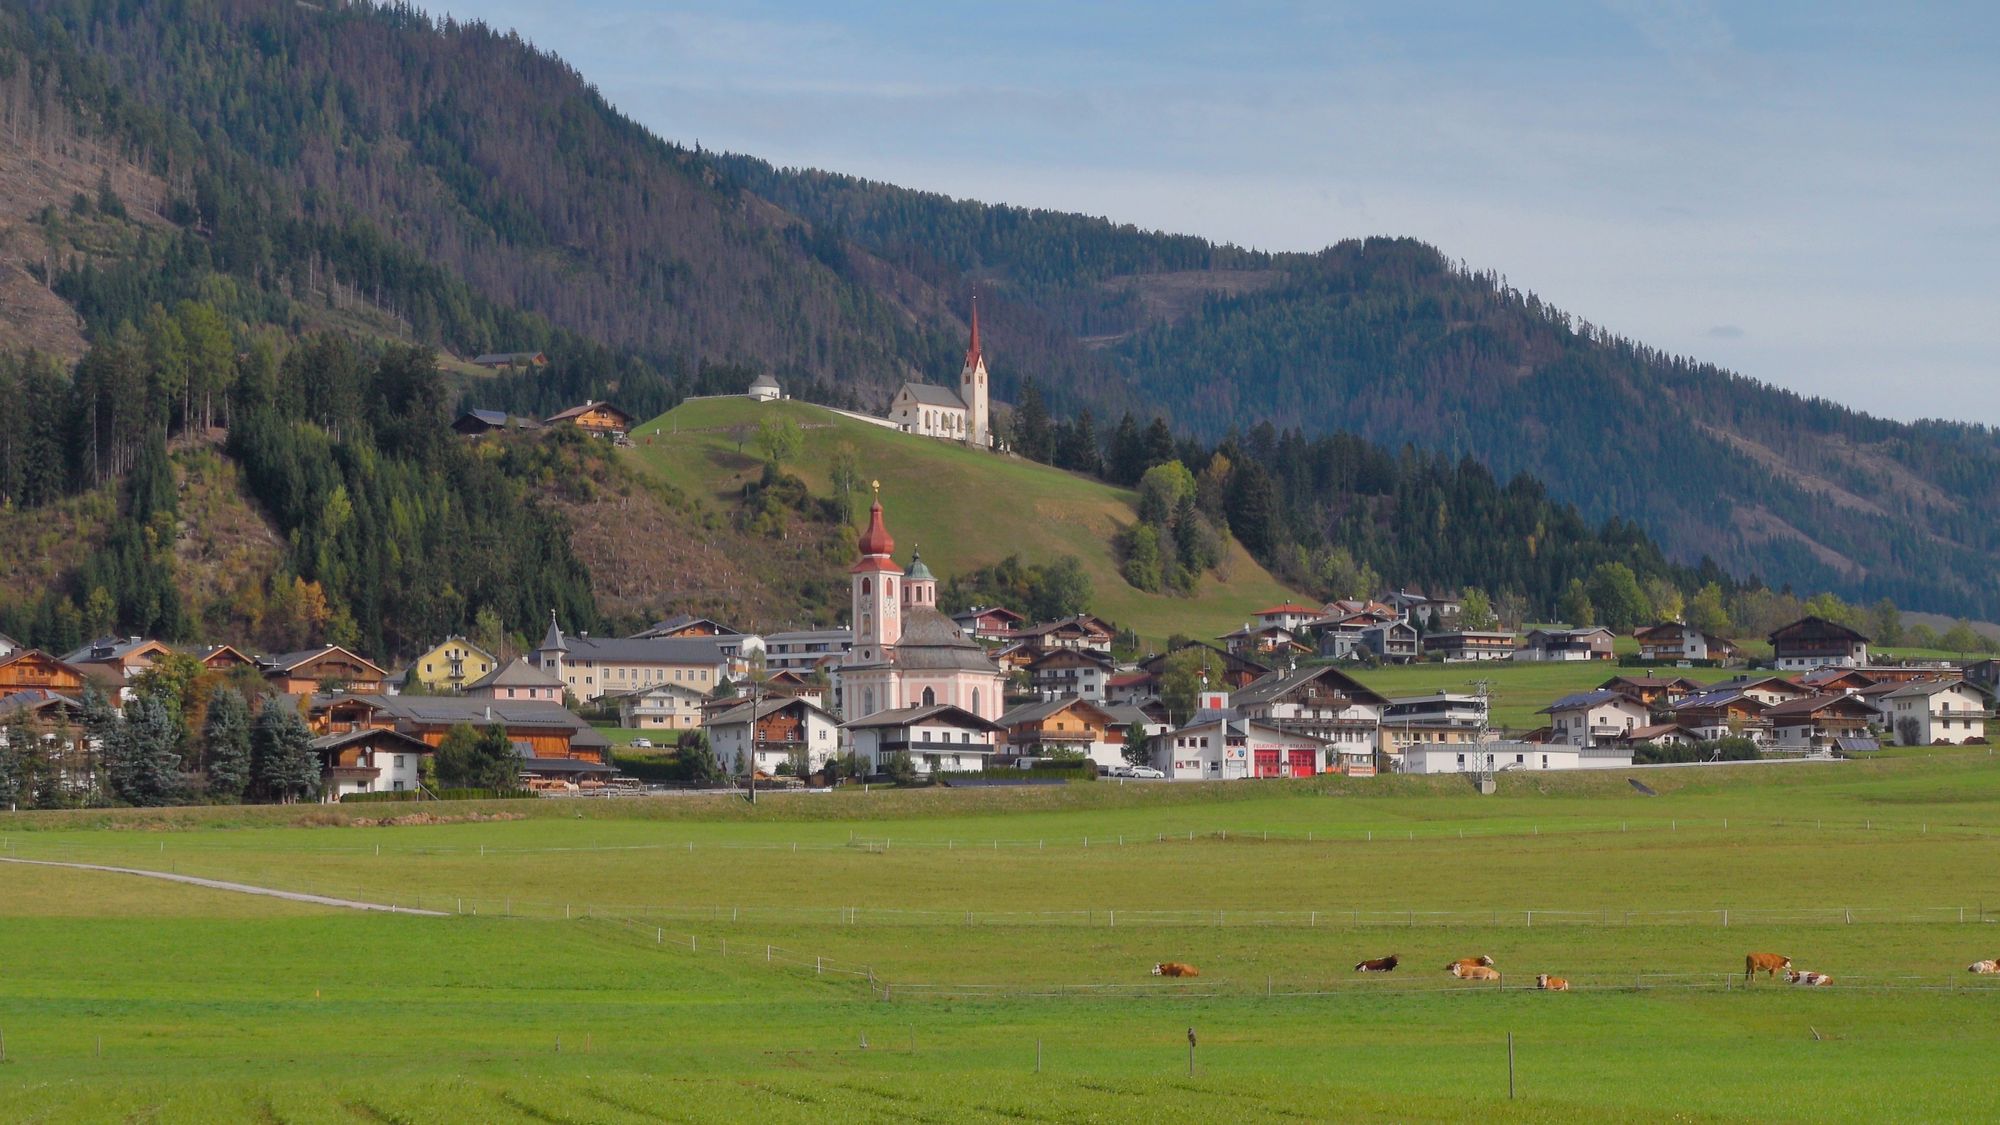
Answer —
(1551, 984)
(1468, 962)
(1378, 965)
(1808, 980)
(1475, 971)
(1992, 966)
(1175, 969)
(1768, 963)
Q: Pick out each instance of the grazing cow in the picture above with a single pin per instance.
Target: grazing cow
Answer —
(1468, 962)
(1770, 963)
(1992, 966)
(1551, 984)
(1808, 979)
(1175, 969)
(1475, 972)
(1378, 965)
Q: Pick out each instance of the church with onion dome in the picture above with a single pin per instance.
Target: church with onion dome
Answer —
(907, 655)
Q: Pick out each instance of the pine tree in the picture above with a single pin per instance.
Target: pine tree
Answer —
(226, 742)
(17, 761)
(145, 760)
(1033, 434)
(1159, 443)
(282, 761)
(1128, 454)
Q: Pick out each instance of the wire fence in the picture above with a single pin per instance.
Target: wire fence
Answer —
(38, 841)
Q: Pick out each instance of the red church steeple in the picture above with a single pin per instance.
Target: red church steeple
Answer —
(972, 352)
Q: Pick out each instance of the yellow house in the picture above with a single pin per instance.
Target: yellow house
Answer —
(453, 664)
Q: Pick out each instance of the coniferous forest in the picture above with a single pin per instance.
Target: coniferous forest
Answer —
(311, 189)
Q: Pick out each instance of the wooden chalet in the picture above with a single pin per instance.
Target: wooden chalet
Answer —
(1653, 691)
(1770, 690)
(1070, 671)
(1265, 640)
(1815, 642)
(989, 622)
(128, 656)
(1471, 644)
(33, 670)
(316, 669)
(685, 625)
(601, 418)
(1722, 712)
(222, 658)
(552, 742)
(1320, 701)
(369, 761)
(1819, 722)
(1593, 642)
(765, 734)
(1064, 724)
(1083, 630)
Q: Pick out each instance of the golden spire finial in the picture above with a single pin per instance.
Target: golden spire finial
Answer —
(876, 485)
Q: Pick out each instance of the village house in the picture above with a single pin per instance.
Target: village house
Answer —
(1818, 723)
(594, 667)
(1340, 635)
(1825, 681)
(1430, 610)
(806, 650)
(1039, 728)
(762, 735)
(1561, 643)
(764, 388)
(1079, 631)
(553, 744)
(1270, 641)
(1934, 712)
(127, 656)
(599, 418)
(8, 646)
(369, 760)
(519, 680)
(1470, 644)
(34, 670)
(1220, 744)
(1134, 685)
(938, 737)
(62, 744)
(450, 665)
(660, 707)
(989, 622)
(1456, 709)
(1769, 690)
(1984, 673)
(1322, 701)
(1661, 734)
(1674, 641)
(1291, 617)
(1391, 642)
(1232, 670)
(1402, 737)
(1080, 673)
(1815, 642)
(1720, 712)
(1656, 692)
(1594, 718)
(1511, 755)
(479, 423)
(325, 668)
(220, 658)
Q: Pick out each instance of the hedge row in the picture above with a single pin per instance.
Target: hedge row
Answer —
(439, 794)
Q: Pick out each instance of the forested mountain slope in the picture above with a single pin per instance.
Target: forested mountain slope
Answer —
(449, 185)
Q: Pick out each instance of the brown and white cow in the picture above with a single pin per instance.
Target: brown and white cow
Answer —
(1551, 984)
(1807, 979)
(1475, 972)
(1989, 966)
(1468, 962)
(1378, 965)
(1769, 963)
(1175, 969)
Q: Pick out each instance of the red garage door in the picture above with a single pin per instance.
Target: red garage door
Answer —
(1302, 762)
(1267, 763)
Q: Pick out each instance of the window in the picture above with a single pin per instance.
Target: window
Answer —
(930, 697)
(867, 587)
(399, 761)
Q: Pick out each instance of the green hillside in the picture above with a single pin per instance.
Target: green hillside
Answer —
(964, 508)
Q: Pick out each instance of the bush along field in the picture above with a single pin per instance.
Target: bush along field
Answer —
(957, 956)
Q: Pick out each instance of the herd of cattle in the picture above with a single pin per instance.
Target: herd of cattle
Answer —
(1483, 968)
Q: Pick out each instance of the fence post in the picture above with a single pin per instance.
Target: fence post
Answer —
(1725, 919)
(1510, 1066)
(659, 935)
(818, 967)
(1531, 919)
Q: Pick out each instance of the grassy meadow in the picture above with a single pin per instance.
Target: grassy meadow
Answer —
(694, 958)
(964, 508)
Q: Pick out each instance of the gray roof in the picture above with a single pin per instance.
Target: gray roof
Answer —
(933, 642)
(642, 650)
(286, 661)
(682, 621)
(516, 673)
(104, 648)
(1274, 684)
(1042, 709)
(929, 394)
(910, 716)
(452, 710)
(766, 707)
(1587, 699)
(562, 765)
(762, 380)
(1931, 687)
(336, 741)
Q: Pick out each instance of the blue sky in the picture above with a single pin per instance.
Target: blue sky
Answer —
(1807, 193)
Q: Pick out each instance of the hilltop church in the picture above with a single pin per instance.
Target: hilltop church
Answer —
(908, 654)
(961, 415)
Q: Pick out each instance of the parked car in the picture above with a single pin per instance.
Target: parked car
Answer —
(642, 744)
(1147, 772)
(1119, 771)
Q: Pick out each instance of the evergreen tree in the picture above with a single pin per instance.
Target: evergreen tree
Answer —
(1253, 508)
(1033, 434)
(144, 757)
(225, 740)
(282, 762)
(1159, 442)
(472, 758)
(17, 761)
(1128, 454)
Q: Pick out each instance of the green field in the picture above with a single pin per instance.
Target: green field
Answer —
(698, 959)
(1518, 691)
(964, 508)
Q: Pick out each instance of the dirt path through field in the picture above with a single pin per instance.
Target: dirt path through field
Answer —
(240, 888)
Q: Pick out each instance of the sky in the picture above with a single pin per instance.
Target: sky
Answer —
(1807, 193)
